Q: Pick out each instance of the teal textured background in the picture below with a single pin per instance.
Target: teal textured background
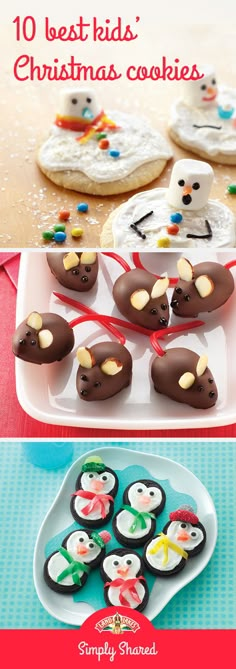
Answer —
(27, 492)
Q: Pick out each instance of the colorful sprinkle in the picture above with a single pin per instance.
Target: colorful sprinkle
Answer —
(176, 218)
(59, 227)
(114, 153)
(172, 229)
(77, 232)
(101, 135)
(63, 215)
(231, 189)
(225, 112)
(48, 235)
(82, 207)
(104, 144)
(59, 237)
(163, 243)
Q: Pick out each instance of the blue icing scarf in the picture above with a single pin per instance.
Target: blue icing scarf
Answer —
(93, 590)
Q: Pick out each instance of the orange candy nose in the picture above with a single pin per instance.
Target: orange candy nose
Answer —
(123, 571)
(183, 536)
(210, 91)
(81, 550)
(97, 485)
(187, 190)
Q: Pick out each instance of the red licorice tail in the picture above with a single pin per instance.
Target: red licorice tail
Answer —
(137, 262)
(231, 263)
(118, 259)
(100, 319)
(171, 330)
(109, 319)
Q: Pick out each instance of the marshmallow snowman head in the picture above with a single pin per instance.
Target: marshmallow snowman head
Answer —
(202, 92)
(190, 184)
(79, 104)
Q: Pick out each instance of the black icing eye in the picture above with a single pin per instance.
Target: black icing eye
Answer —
(187, 298)
(200, 388)
(193, 534)
(104, 477)
(75, 271)
(33, 342)
(84, 377)
(153, 312)
(81, 539)
(183, 526)
(163, 307)
(203, 87)
(129, 562)
(84, 279)
(22, 341)
(28, 333)
(181, 182)
(211, 394)
(196, 185)
(91, 545)
(115, 563)
(97, 384)
(210, 380)
(140, 490)
(178, 290)
(87, 269)
(90, 476)
(74, 101)
(88, 100)
(151, 493)
(213, 82)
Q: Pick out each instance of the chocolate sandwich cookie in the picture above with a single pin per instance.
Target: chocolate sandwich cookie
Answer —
(122, 570)
(92, 504)
(77, 271)
(135, 522)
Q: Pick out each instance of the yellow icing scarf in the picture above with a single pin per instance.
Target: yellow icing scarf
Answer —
(165, 543)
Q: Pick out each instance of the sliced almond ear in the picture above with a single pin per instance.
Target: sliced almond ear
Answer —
(85, 357)
(186, 380)
(202, 365)
(88, 258)
(111, 366)
(139, 299)
(70, 260)
(45, 338)
(185, 269)
(35, 321)
(204, 285)
(160, 287)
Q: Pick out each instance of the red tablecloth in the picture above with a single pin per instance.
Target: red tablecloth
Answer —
(14, 422)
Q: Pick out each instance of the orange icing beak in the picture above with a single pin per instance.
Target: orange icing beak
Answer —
(82, 550)
(183, 536)
(123, 571)
(97, 485)
(144, 499)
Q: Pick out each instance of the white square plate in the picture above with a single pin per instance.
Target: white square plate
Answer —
(58, 518)
(48, 392)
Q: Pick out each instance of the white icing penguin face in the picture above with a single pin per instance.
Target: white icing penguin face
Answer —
(143, 498)
(79, 103)
(201, 93)
(121, 566)
(82, 547)
(98, 483)
(190, 184)
(186, 535)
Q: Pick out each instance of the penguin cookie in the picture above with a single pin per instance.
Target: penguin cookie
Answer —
(203, 119)
(135, 523)
(92, 152)
(92, 504)
(183, 537)
(122, 570)
(178, 216)
(66, 570)
(77, 271)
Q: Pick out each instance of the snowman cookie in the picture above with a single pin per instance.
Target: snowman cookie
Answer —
(66, 570)
(90, 152)
(122, 570)
(203, 119)
(92, 504)
(179, 216)
(135, 523)
(77, 271)
(183, 537)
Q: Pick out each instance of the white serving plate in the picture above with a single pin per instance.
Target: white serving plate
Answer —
(48, 392)
(59, 518)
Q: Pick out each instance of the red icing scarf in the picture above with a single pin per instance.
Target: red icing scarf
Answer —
(97, 499)
(125, 586)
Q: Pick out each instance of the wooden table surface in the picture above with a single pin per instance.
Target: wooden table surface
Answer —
(29, 201)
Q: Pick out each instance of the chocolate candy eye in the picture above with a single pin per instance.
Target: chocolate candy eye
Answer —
(87, 269)
(183, 525)
(211, 394)
(210, 380)
(115, 563)
(83, 393)
(193, 534)
(75, 271)
(181, 182)
(196, 185)
(91, 545)
(22, 341)
(187, 298)
(84, 279)
(178, 290)
(33, 342)
(74, 101)
(129, 562)
(84, 377)
(88, 100)
(200, 388)
(28, 333)
(163, 307)
(163, 321)
(153, 312)
(97, 384)
(203, 87)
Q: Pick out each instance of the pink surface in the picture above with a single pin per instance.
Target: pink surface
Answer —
(14, 422)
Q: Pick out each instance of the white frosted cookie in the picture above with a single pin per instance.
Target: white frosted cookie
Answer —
(91, 152)
(175, 217)
(203, 119)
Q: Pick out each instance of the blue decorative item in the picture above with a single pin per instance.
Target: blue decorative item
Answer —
(176, 218)
(82, 207)
(226, 111)
(59, 237)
